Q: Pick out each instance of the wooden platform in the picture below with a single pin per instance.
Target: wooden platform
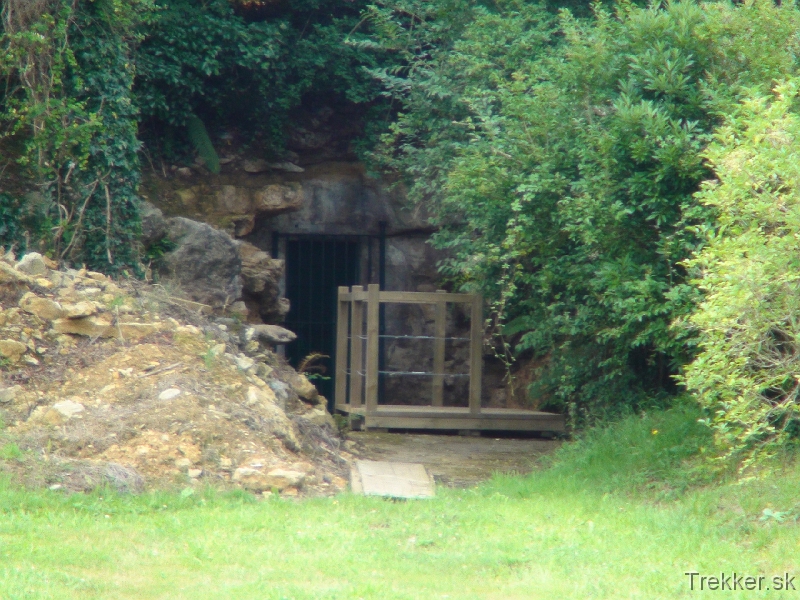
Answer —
(456, 418)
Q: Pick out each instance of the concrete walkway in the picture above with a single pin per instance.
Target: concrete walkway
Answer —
(453, 461)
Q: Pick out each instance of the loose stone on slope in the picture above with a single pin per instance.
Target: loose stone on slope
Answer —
(169, 394)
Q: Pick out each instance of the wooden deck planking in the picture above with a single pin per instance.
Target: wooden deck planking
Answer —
(445, 417)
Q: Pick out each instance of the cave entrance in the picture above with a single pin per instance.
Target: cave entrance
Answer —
(316, 266)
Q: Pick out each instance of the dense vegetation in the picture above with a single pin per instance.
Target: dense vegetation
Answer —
(562, 157)
(87, 80)
(561, 151)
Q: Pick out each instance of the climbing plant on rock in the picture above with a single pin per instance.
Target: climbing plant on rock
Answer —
(69, 110)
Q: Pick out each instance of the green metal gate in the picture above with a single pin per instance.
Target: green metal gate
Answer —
(315, 268)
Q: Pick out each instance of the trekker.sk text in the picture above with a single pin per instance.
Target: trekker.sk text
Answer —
(736, 581)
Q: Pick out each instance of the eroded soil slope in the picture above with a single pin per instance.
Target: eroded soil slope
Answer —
(122, 383)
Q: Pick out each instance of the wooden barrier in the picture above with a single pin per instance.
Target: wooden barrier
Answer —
(357, 368)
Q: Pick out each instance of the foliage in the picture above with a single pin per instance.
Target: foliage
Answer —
(81, 74)
(199, 137)
(21, 222)
(559, 159)
(12, 234)
(746, 373)
(68, 104)
(242, 69)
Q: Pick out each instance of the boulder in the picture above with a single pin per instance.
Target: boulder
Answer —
(205, 263)
(255, 166)
(261, 276)
(9, 394)
(270, 334)
(243, 225)
(12, 349)
(32, 264)
(80, 310)
(154, 225)
(233, 199)
(257, 481)
(303, 387)
(245, 363)
(68, 408)
(287, 166)
(319, 416)
(260, 272)
(43, 308)
(260, 396)
(9, 274)
(283, 478)
(94, 326)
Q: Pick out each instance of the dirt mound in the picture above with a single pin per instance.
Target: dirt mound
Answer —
(122, 383)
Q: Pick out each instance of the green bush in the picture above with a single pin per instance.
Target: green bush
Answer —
(747, 373)
(559, 159)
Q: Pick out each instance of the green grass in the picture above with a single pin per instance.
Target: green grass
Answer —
(614, 516)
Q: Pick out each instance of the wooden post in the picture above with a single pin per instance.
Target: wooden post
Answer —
(342, 314)
(373, 323)
(476, 354)
(357, 349)
(440, 330)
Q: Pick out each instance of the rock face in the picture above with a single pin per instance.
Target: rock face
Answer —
(214, 268)
(261, 276)
(206, 262)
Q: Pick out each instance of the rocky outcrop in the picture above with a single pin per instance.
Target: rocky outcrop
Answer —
(154, 225)
(261, 276)
(213, 268)
(206, 262)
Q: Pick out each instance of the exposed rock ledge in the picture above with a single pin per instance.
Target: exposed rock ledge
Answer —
(214, 269)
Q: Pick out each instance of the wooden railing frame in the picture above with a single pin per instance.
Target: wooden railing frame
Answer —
(360, 368)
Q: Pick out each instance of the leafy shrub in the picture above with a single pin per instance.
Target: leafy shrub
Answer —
(244, 68)
(559, 159)
(68, 105)
(12, 234)
(747, 373)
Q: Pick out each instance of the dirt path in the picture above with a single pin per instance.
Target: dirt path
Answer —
(454, 461)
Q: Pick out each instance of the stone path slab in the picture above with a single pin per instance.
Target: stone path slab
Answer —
(391, 479)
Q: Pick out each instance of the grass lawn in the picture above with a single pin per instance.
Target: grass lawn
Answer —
(612, 517)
